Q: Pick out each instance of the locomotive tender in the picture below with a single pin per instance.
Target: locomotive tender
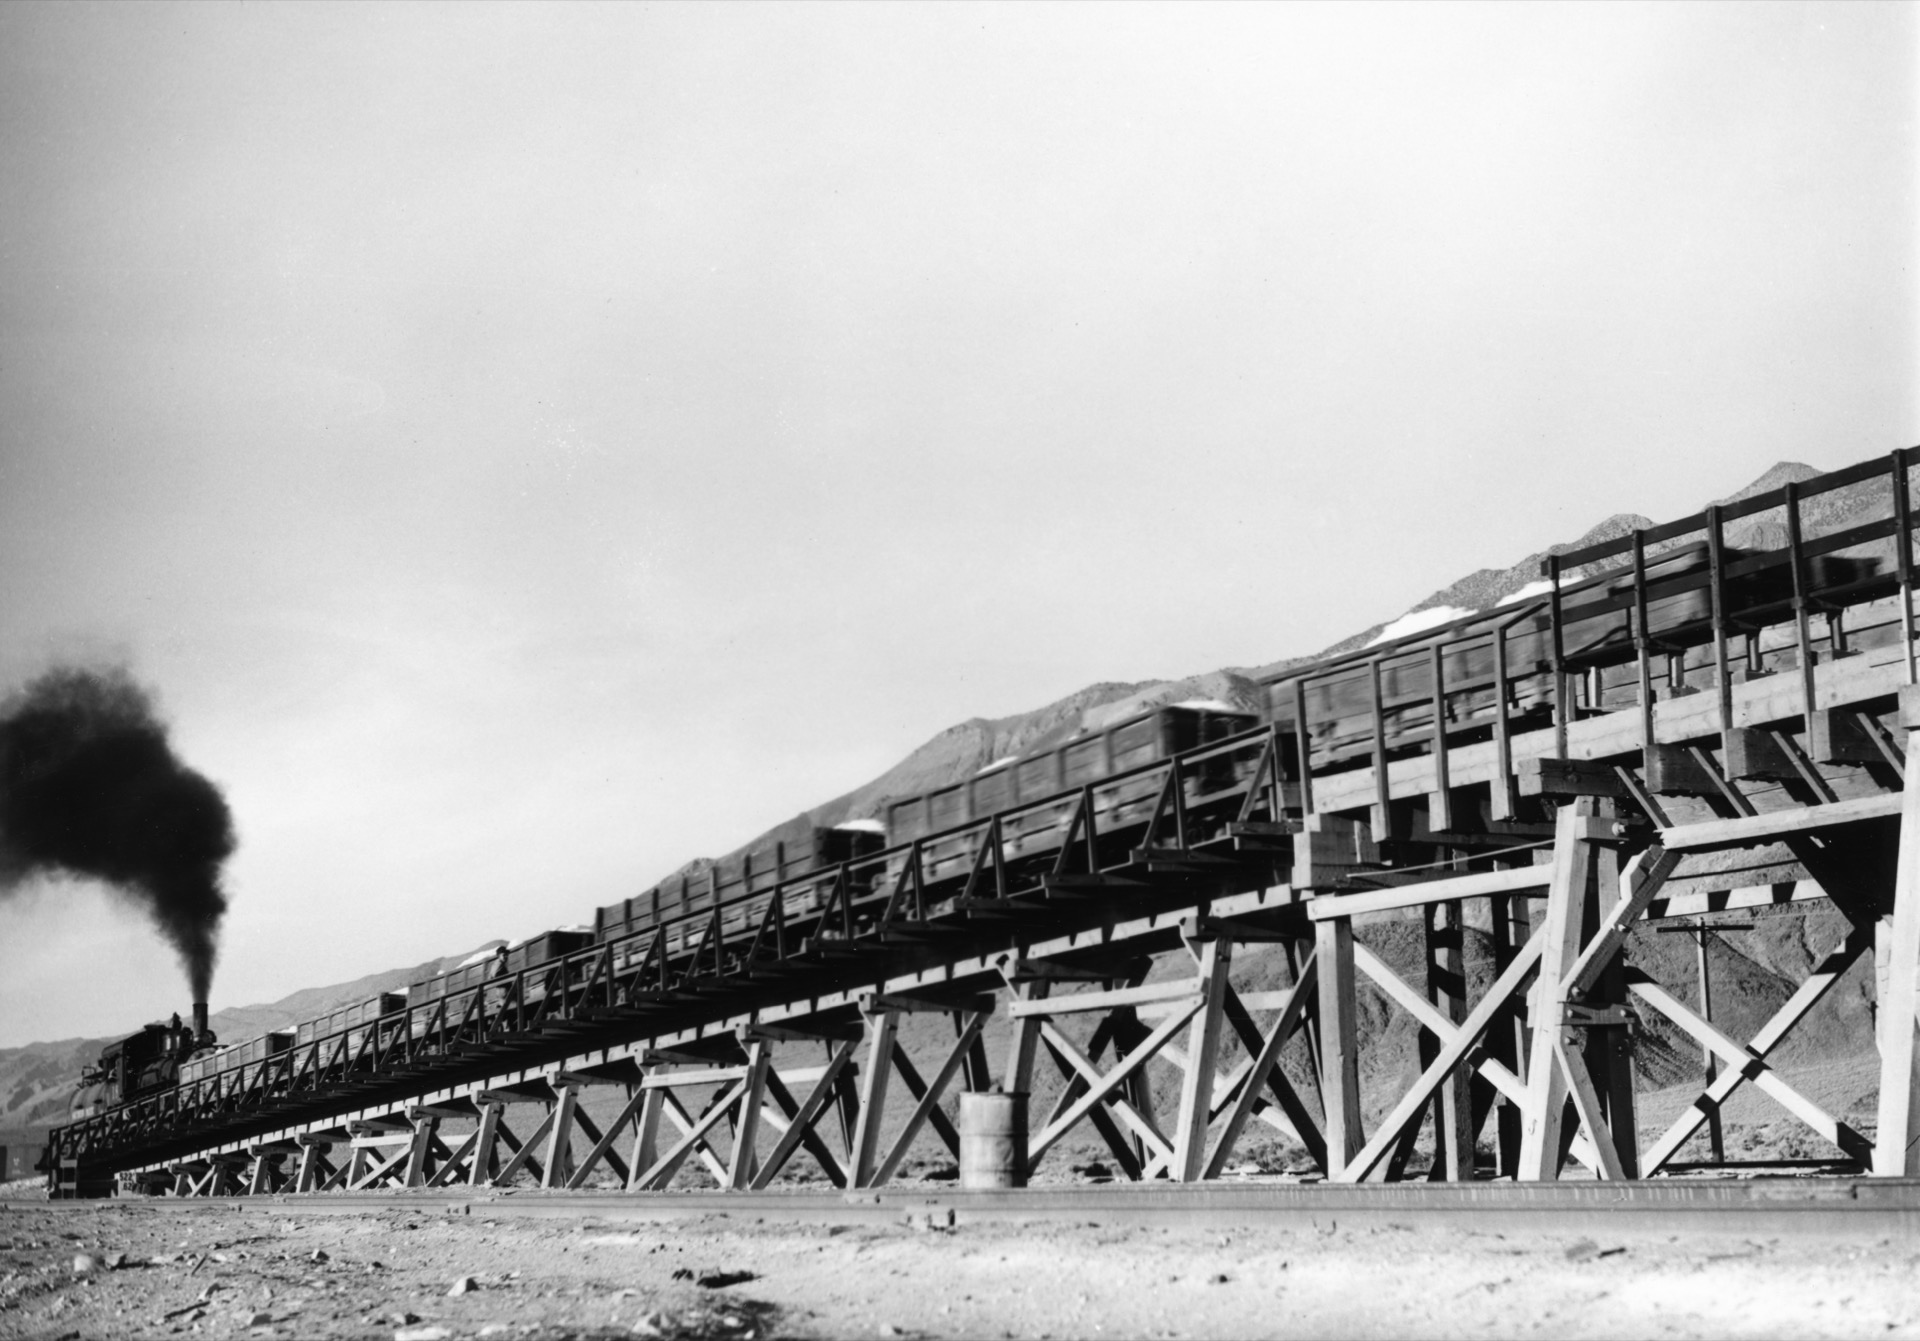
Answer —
(1607, 622)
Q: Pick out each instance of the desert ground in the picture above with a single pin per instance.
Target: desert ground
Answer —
(428, 1269)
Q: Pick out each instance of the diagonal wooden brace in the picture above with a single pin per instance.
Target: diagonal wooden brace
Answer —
(1752, 1068)
(663, 1170)
(603, 1147)
(929, 1098)
(1451, 1054)
(1264, 1067)
(1791, 1012)
(801, 1120)
(1100, 1087)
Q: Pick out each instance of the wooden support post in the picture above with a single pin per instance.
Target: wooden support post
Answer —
(1543, 1125)
(873, 1096)
(1440, 799)
(1024, 1046)
(1609, 1051)
(646, 1137)
(1382, 797)
(1803, 637)
(485, 1161)
(1507, 1040)
(1501, 800)
(1447, 990)
(746, 1127)
(1903, 555)
(425, 1127)
(260, 1176)
(1896, 1152)
(1339, 1041)
(560, 1139)
(1203, 1051)
(1717, 605)
(1303, 744)
(978, 1073)
(307, 1170)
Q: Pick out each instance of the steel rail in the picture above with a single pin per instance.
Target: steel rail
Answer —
(1852, 1206)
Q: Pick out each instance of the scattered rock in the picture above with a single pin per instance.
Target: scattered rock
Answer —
(1218, 1278)
(720, 1280)
(115, 1262)
(85, 1264)
(888, 1329)
(261, 1318)
(403, 1319)
(650, 1324)
(318, 1255)
(682, 1273)
(423, 1334)
(1582, 1250)
(461, 1286)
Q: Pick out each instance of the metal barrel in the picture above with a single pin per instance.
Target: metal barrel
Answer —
(993, 1140)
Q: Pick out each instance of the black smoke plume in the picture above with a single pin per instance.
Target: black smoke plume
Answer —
(90, 787)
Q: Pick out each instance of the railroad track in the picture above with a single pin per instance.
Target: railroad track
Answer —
(1852, 1206)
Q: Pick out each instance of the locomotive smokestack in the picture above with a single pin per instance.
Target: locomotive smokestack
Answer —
(91, 787)
(199, 1022)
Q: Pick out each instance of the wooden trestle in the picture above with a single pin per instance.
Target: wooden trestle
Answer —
(739, 1038)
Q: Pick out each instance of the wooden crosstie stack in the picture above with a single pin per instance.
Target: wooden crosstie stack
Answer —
(1672, 727)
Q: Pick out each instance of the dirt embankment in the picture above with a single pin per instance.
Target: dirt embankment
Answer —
(416, 1272)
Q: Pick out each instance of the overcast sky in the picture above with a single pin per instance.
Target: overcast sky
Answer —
(528, 447)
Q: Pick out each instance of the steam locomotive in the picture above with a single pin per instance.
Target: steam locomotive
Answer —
(142, 1064)
(1512, 663)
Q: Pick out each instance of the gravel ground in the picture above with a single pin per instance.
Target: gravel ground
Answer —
(418, 1273)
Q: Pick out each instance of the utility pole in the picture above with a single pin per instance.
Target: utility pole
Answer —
(1701, 931)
